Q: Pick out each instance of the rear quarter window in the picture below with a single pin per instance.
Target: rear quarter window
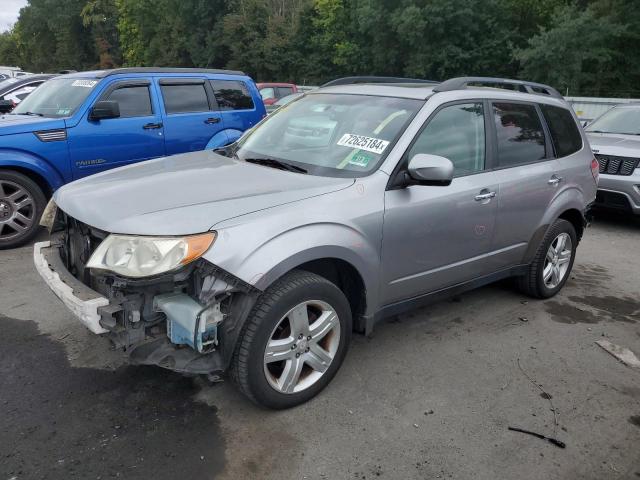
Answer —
(564, 131)
(232, 95)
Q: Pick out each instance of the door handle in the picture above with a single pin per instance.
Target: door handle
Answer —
(554, 180)
(151, 126)
(212, 120)
(485, 196)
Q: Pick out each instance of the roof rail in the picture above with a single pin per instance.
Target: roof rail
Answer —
(373, 79)
(460, 83)
(115, 71)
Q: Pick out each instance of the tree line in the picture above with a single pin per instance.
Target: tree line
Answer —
(583, 47)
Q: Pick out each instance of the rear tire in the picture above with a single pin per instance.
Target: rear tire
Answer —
(552, 264)
(278, 362)
(21, 205)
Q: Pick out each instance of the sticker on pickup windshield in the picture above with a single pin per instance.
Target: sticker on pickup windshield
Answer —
(370, 144)
(84, 83)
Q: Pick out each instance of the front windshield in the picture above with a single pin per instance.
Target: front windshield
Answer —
(622, 120)
(58, 97)
(331, 134)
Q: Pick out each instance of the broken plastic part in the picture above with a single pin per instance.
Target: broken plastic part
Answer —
(189, 322)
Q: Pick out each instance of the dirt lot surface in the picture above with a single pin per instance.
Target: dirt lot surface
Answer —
(430, 395)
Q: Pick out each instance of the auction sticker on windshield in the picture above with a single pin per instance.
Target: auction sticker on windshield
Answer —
(84, 83)
(370, 144)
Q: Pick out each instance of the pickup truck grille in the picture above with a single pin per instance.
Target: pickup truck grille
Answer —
(613, 165)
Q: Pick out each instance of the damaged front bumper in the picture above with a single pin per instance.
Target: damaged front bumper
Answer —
(186, 322)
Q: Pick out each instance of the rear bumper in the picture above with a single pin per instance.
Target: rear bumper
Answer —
(80, 299)
(620, 192)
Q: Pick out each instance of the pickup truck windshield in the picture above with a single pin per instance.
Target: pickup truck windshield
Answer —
(622, 120)
(328, 134)
(58, 97)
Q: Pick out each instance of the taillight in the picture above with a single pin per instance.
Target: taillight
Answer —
(595, 169)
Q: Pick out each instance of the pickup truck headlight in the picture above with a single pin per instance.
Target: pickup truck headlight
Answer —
(135, 256)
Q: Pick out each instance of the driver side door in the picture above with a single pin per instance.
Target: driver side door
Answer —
(439, 236)
(136, 135)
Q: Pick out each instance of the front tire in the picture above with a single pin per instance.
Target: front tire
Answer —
(21, 205)
(552, 264)
(293, 341)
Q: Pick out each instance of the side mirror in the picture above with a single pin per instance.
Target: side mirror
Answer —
(6, 106)
(425, 169)
(104, 109)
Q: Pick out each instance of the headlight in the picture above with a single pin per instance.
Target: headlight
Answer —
(133, 256)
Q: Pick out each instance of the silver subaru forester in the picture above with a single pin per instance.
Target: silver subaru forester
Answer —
(355, 202)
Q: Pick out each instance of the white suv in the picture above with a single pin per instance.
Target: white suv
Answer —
(615, 141)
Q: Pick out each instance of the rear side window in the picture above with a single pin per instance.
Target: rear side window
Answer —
(519, 134)
(133, 101)
(564, 131)
(232, 95)
(185, 98)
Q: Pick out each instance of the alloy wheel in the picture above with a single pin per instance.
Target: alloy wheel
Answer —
(17, 210)
(302, 346)
(556, 263)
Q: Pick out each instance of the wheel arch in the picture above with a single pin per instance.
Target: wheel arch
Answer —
(347, 278)
(222, 138)
(38, 170)
(337, 267)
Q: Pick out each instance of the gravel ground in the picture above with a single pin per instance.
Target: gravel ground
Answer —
(430, 395)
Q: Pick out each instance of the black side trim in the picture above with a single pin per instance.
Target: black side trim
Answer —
(432, 297)
(182, 81)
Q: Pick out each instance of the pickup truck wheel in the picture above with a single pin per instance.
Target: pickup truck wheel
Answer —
(293, 342)
(552, 263)
(21, 205)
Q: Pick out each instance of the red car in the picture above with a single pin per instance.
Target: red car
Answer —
(272, 92)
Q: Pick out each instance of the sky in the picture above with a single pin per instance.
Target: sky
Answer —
(9, 10)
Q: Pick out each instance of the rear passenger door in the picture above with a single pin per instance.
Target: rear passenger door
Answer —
(236, 106)
(190, 114)
(528, 174)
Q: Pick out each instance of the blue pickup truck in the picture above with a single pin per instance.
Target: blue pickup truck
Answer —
(78, 124)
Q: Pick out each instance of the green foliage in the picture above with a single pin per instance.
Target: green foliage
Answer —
(586, 46)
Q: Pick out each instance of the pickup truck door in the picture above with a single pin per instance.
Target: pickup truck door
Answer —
(138, 134)
(191, 116)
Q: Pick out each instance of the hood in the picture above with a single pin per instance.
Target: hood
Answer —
(184, 194)
(12, 124)
(615, 144)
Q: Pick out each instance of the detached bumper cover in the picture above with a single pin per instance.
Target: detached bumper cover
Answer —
(80, 299)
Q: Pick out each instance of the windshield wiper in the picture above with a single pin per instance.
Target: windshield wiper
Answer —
(271, 162)
(597, 131)
(36, 114)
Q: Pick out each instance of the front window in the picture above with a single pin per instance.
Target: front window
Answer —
(618, 120)
(59, 97)
(331, 134)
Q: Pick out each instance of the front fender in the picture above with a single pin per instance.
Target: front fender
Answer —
(20, 159)
(268, 261)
